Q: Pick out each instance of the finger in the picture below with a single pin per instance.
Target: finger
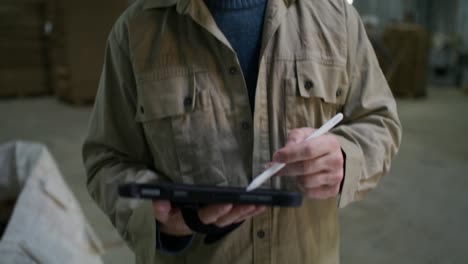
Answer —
(161, 209)
(306, 150)
(175, 225)
(179, 223)
(321, 178)
(323, 192)
(305, 167)
(175, 212)
(312, 181)
(298, 135)
(258, 210)
(328, 162)
(267, 165)
(236, 213)
(210, 214)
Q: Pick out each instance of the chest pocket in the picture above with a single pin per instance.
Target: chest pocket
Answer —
(177, 116)
(316, 94)
(159, 99)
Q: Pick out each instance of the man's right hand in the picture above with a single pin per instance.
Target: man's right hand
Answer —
(222, 215)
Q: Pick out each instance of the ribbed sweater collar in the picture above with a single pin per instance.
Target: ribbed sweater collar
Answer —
(233, 4)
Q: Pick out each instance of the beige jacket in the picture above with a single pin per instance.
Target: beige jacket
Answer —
(173, 106)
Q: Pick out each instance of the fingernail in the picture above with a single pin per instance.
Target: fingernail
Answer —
(221, 225)
(250, 208)
(227, 207)
(161, 207)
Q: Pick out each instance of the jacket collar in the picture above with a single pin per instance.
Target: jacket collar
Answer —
(276, 10)
(148, 4)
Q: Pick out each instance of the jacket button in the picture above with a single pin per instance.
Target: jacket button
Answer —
(233, 70)
(188, 101)
(142, 110)
(308, 85)
(261, 234)
(339, 92)
(245, 125)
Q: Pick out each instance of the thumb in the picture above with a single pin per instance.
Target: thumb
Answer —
(162, 209)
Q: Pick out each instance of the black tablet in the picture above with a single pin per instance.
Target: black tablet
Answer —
(196, 195)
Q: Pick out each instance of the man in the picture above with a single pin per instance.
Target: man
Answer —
(210, 92)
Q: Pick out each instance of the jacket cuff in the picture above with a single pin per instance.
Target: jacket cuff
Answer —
(172, 245)
(352, 171)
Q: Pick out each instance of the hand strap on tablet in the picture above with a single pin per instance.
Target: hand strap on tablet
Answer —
(213, 233)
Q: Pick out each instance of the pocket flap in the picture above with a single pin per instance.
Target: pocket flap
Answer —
(327, 82)
(164, 98)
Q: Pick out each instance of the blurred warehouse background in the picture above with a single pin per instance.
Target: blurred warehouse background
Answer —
(51, 55)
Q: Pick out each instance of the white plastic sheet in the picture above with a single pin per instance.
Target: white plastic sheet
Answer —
(47, 224)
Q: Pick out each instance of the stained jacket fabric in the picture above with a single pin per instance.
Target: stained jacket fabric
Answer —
(47, 224)
(173, 106)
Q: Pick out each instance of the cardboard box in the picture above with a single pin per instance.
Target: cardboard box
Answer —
(68, 60)
(409, 44)
(23, 48)
(16, 53)
(86, 26)
(23, 81)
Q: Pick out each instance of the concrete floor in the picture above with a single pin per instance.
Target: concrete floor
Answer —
(419, 213)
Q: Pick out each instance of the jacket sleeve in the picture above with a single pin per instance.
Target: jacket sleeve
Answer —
(370, 134)
(115, 150)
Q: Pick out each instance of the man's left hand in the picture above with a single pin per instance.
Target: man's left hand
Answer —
(318, 163)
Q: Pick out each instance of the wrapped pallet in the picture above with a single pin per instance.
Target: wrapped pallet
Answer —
(40, 219)
(409, 45)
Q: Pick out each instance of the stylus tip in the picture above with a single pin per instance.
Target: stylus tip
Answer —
(251, 187)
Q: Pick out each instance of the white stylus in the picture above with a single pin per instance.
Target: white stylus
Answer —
(263, 177)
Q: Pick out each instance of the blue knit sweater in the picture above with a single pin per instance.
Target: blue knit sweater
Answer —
(241, 21)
